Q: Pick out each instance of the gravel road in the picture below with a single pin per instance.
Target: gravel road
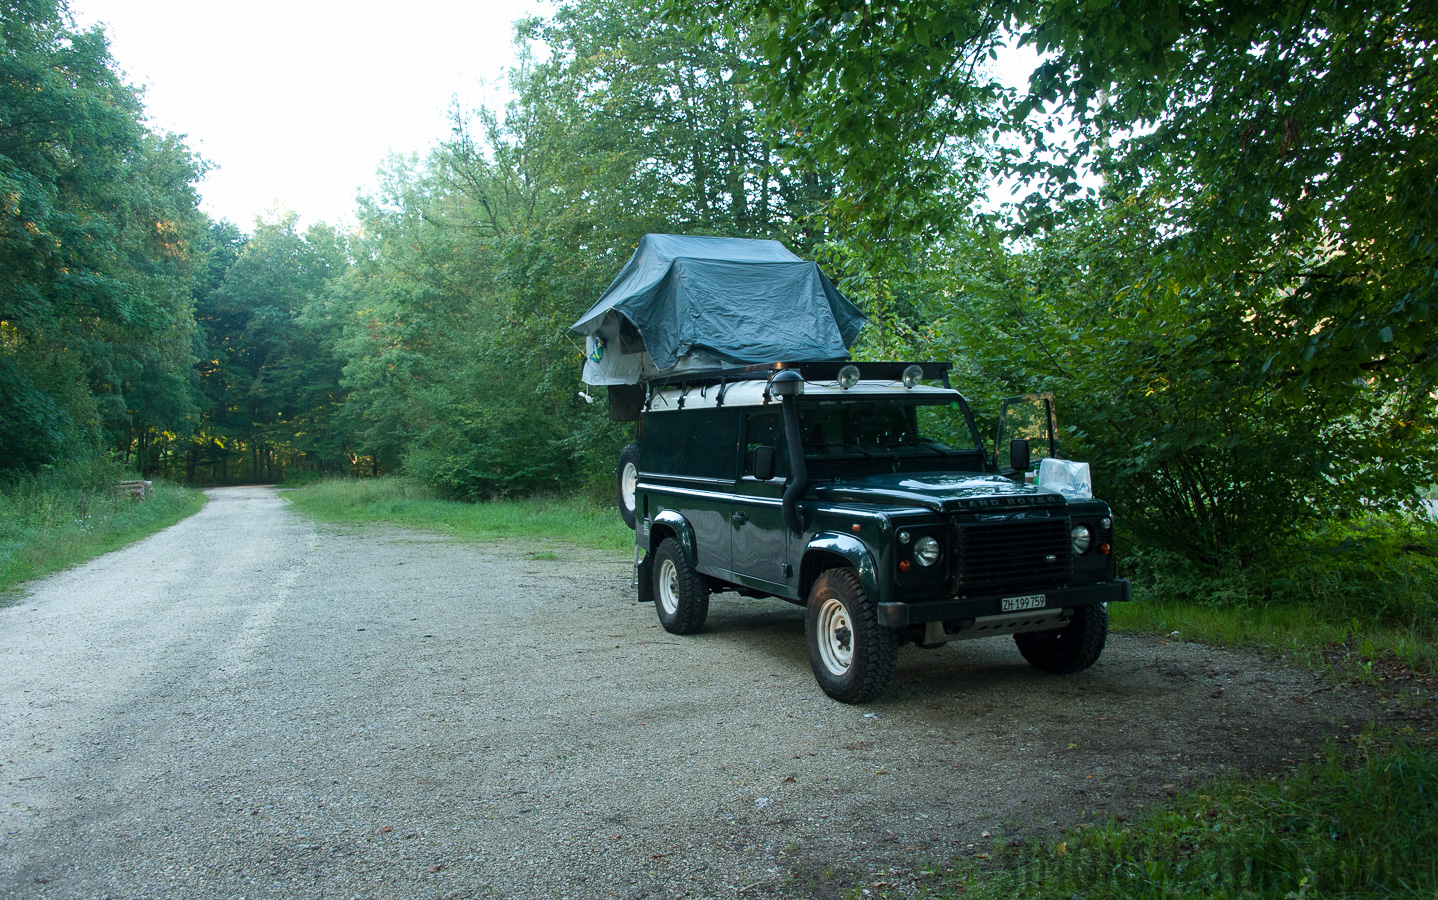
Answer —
(249, 705)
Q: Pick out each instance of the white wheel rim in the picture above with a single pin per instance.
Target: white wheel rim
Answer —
(669, 586)
(628, 480)
(836, 637)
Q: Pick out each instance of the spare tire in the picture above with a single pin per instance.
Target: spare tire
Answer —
(627, 476)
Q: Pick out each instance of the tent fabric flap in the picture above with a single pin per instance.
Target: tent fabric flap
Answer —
(700, 303)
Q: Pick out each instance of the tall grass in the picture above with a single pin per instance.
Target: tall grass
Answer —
(54, 520)
(1361, 824)
(402, 501)
(1367, 586)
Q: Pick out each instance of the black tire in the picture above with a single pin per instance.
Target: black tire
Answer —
(625, 475)
(1070, 649)
(680, 594)
(852, 655)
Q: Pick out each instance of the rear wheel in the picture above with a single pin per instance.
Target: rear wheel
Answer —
(852, 655)
(1070, 649)
(680, 594)
(627, 477)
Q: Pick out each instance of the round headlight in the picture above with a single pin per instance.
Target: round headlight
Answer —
(926, 551)
(913, 376)
(1082, 539)
(848, 377)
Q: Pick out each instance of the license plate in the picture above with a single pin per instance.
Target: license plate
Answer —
(1014, 604)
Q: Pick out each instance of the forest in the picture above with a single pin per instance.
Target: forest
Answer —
(1210, 228)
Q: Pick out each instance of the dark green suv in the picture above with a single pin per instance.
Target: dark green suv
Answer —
(864, 492)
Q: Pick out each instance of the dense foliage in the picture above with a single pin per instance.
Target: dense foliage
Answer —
(100, 246)
(1226, 260)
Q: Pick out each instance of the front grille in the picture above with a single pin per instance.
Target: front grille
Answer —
(1013, 554)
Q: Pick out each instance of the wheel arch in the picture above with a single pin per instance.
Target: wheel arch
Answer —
(830, 550)
(669, 523)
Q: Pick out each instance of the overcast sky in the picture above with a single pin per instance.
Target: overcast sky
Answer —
(297, 103)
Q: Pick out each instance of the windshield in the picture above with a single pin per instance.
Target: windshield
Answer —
(868, 428)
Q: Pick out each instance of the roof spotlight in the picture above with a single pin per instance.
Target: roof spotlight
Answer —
(787, 383)
(848, 377)
(913, 376)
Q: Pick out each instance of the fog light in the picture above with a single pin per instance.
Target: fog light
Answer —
(848, 377)
(926, 551)
(913, 376)
(1082, 539)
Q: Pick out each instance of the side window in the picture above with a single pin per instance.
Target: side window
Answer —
(701, 442)
(765, 429)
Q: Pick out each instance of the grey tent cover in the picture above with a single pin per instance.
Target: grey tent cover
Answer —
(733, 300)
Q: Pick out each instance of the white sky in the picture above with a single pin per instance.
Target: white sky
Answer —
(297, 103)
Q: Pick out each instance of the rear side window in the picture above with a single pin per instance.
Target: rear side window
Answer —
(702, 443)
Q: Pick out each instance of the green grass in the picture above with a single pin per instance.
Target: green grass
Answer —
(401, 501)
(1313, 636)
(1355, 824)
(47, 526)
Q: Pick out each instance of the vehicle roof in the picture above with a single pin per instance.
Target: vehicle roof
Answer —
(753, 393)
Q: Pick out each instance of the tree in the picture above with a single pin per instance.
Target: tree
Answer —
(98, 249)
(1243, 308)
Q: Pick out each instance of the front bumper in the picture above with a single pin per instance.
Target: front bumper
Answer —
(898, 615)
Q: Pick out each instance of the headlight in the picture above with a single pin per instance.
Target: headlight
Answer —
(926, 551)
(1081, 538)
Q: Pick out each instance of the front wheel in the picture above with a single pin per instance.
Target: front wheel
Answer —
(1070, 649)
(680, 594)
(852, 655)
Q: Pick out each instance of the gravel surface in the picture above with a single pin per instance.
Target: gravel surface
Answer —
(248, 705)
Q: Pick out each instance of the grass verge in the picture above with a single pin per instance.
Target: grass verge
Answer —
(1354, 824)
(1313, 636)
(48, 527)
(403, 502)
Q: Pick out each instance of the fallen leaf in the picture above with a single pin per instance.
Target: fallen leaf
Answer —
(386, 829)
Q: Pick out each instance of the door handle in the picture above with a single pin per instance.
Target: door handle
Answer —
(739, 518)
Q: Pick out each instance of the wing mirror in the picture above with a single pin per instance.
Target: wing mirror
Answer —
(763, 463)
(1019, 455)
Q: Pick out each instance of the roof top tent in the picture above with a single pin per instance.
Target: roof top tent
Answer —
(690, 305)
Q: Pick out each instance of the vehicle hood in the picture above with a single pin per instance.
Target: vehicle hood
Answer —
(939, 491)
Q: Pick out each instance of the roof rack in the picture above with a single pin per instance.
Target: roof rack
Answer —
(812, 370)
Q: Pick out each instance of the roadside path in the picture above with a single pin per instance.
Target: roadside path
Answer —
(246, 705)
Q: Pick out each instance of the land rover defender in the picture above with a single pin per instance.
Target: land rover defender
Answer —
(865, 492)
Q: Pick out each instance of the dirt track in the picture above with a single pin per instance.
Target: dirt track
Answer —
(247, 705)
